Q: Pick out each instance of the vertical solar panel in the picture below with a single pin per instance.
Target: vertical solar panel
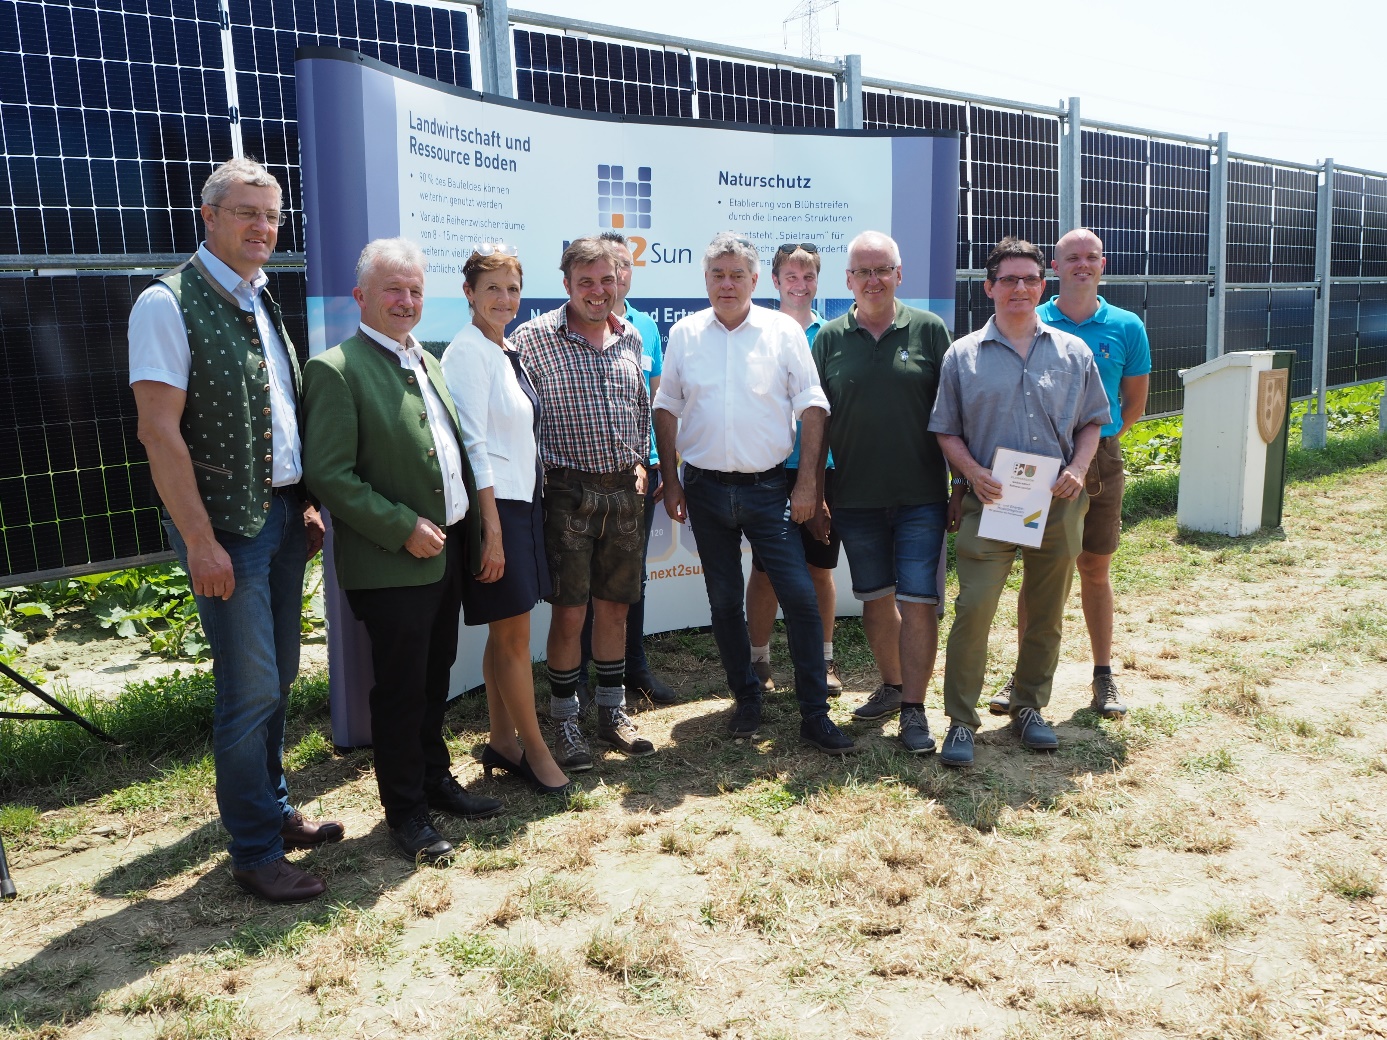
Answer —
(431, 39)
(1115, 174)
(1294, 202)
(113, 114)
(1178, 221)
(765, 95)
(1249, 223)
(74, 485)
(1014, 174)
(1291, 326)
(1346, 243)
(1374, 227)
(883, 111)
(602, 76)
(1175, 316)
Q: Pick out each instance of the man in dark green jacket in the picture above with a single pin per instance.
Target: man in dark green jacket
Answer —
(384, 454)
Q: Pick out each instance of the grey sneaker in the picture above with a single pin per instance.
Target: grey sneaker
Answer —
(1000, 704)
(884, 702)
(1105, 699)
(763, 675)
(1034, 731)
(571, 750)
(835, 684)
(958, 747)
(615, 727)
(915, 730)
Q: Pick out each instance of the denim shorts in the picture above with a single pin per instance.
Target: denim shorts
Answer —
(893, 549)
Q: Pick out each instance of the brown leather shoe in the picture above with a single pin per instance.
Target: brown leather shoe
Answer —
(299, 832)
(280, 882)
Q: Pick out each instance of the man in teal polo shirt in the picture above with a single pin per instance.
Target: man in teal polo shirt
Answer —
(1118, 341)
(879, 365)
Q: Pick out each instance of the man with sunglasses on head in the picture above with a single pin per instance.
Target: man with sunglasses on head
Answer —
(1016, 383)
(217, 388)
(1123, 355)
(736, 379)
(879, 365)
(795, 275)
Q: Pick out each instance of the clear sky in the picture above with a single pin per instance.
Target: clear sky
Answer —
(1298, 81)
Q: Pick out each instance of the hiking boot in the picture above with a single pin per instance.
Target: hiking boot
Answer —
(835, 684)
(1034, 731)
(884, 702)
(914, 734)
(763, 675)
(1000, 704)
(958, 747)
(571, 751)
(824, 735)
(746, 719)
(1105, 700)
(615, 727)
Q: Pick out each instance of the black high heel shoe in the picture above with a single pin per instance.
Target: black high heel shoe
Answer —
(493, 759)
(528, 775)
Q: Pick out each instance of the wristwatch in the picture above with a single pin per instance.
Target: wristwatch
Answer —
(961, 482)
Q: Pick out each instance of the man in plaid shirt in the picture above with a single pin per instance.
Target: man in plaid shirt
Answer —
(594, 440)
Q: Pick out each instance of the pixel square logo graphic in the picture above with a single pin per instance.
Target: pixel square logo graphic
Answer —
(623, 204)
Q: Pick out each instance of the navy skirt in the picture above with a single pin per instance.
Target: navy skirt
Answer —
(526, 578)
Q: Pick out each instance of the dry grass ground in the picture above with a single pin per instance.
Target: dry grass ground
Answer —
(1211, 868)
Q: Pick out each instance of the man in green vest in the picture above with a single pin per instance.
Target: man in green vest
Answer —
(216, 386)
(383, 452)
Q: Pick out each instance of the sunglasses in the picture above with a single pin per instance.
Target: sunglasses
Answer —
(495, 248)
(790, 247)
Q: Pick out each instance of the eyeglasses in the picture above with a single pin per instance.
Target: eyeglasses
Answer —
(873, 272)
(249, 214)
(495, 248)
(1009, 281)
(789, 247)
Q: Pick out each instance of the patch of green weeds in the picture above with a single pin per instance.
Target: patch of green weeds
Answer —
(1219, 760)
(18, 820)
(465, 953)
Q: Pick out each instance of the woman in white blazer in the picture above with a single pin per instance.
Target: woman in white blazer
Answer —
(499, 414)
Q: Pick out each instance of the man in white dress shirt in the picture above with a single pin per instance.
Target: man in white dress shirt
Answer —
(216, 385)
(736, 378)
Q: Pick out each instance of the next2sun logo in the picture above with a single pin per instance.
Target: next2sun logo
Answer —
(624, 205)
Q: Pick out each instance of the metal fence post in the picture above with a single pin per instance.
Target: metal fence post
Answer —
(498, 66)
(850, 83)
(1072, 169)
(1314, 426)
(1218, 248)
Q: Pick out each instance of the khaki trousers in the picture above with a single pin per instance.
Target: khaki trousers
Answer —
(983, 567)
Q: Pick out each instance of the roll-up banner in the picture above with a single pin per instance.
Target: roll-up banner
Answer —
(386, 152)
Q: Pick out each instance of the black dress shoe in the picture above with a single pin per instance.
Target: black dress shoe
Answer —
(419, 842)
(540, 787)
(646, 685)
(493, 759)
(452, 798)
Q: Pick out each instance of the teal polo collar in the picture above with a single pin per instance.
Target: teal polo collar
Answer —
(1100, 316)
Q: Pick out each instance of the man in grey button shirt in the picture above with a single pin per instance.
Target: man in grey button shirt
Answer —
(1030, 388)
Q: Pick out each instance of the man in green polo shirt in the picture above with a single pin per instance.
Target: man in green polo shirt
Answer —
(879, 366)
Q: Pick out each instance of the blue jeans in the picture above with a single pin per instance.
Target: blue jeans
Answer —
(254, 637)
(894, 549)
(719, 515)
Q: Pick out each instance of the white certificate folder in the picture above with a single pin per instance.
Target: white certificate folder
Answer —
(1019, 515)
